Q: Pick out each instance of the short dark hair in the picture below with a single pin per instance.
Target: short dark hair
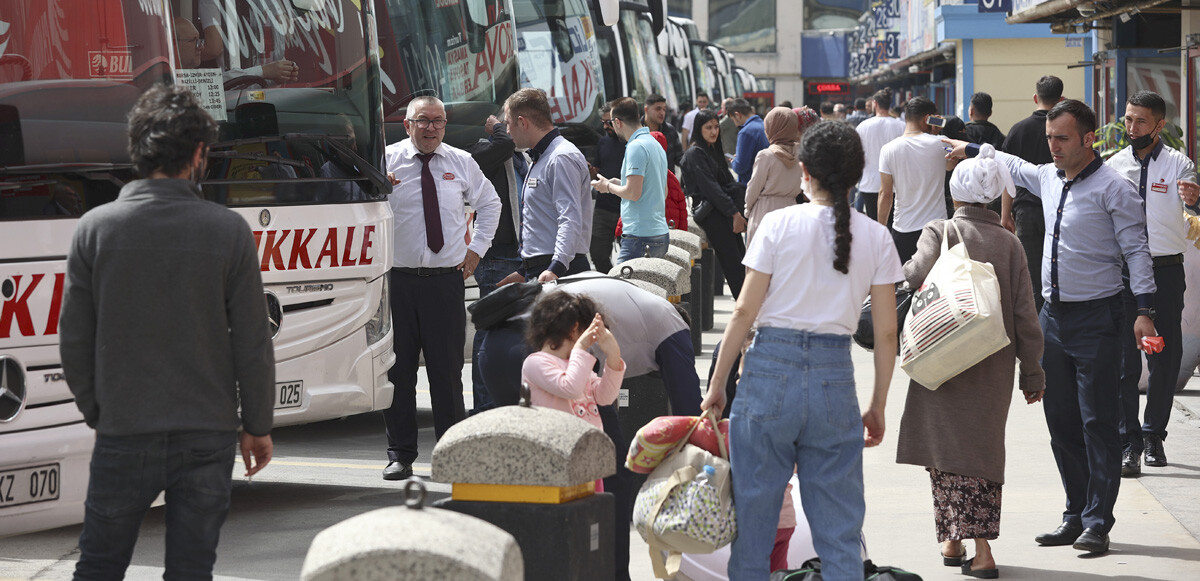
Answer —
(826, 108)
(1049, 89)
(165, 126)
(625, 109)
(982, 102)
(654, 99)
(918, 107)
(1085, 118)
(740, 106)
(702, 94)
(787, 104)
(555, 316)
(532, 104)
(883, 98)
(860, 104)
(1150, 100)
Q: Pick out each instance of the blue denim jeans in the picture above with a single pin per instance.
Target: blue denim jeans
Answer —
(127, 473)
(636, 247)
(796, 405)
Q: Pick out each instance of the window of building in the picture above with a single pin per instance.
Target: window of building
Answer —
(680, 8)
(742, 25)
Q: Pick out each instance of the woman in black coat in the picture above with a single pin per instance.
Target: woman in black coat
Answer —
(717, 199)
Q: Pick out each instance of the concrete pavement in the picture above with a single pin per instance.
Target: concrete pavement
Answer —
(1156, 537)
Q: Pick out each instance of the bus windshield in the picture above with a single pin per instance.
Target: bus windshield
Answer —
(705, 80)
(557, 44)
(637, 63)
(460, 51)
(287, 80)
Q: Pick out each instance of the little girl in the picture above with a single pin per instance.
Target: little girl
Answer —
(564, 325)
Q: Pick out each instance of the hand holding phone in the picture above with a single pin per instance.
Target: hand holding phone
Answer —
(1152, 344)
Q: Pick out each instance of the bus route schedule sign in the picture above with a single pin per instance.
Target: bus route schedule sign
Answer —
(208, 86)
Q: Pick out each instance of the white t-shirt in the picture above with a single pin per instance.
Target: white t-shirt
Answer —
(795, 246)
(689, 119)
(875, 132)
(917, 164)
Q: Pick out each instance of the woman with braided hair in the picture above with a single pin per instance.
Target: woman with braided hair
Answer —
(808, 270)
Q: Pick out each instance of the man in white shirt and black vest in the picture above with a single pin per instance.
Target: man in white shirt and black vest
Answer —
(432, 260)
(1165, 179)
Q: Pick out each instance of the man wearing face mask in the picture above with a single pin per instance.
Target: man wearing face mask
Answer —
(1165, 179)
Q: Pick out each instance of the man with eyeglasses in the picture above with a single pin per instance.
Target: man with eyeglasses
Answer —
(188, 44)
(606, 160)
(432, 260)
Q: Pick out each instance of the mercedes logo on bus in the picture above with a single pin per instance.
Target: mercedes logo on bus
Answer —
(12, 388)
(274, 313)
(264, 218)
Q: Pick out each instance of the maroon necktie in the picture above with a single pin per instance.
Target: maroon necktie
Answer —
(433, 216)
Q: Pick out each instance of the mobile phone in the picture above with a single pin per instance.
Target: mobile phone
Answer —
(936, 121)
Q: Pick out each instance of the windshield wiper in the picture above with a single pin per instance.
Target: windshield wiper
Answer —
(342, 153)
(62, 168)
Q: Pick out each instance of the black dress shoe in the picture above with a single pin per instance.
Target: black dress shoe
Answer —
(397, 471)
(1092, 542)
(1155, 455)
(1131, 463)
(1065, 534)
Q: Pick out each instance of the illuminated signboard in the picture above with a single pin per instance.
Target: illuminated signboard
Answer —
(828, 88)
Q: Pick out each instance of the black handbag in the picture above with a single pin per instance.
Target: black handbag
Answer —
(502, 303)
(702, 209)
(811, 571)
(865, 334)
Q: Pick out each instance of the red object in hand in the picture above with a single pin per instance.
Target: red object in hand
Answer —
(1153, 344)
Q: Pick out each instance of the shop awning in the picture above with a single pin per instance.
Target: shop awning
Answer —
(1064, 15)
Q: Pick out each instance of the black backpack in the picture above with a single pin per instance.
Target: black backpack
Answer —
(811, 571)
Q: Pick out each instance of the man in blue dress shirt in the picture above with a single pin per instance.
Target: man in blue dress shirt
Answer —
(1094, 218)
(751, 138)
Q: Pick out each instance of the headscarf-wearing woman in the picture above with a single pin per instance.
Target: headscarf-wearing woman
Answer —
(957, 432)
(775, 181)
(717, 198)
(808, 270)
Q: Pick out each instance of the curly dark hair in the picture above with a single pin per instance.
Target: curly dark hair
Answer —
(165, 126)
(555, 316)
(833, 155)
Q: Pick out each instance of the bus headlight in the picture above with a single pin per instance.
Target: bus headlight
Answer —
(381, 322)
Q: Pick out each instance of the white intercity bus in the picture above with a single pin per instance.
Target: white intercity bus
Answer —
(299, 157)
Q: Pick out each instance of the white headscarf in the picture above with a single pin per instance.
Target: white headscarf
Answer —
(981, 179)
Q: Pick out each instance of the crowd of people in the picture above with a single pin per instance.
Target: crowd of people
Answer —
(809, 213)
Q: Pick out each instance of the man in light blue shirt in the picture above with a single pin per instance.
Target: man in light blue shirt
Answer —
(642, 186)
(556, 216)
(751, 138)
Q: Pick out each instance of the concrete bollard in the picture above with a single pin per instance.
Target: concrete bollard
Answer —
(664, 273)
(649, 287)
(532, 472)
(678, 256)
(692, 243)
(708, 260)
(413, 543)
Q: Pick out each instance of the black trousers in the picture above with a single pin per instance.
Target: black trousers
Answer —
(1164, 366)
(870, 203)
(906, 244)
(604, 233)
(1031, 231)
(428, 316)
(1082, 404)
(729, 247)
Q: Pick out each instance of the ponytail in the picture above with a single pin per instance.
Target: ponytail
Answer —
(841, 230)
(832, 154)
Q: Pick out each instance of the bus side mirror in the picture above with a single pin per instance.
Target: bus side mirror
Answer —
(607, 11)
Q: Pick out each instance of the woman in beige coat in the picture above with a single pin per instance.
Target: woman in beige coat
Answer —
(957, 432)
(776, 179)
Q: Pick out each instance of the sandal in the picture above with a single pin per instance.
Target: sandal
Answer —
(955, 561)
(992, 573)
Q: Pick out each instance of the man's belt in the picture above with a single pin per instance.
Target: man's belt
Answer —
(539, 262)
(426, 271)
(1168, 260)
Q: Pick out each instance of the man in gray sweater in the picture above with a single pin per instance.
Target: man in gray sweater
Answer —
(163, 334)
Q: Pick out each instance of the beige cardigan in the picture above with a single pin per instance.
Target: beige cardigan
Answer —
(772, 186)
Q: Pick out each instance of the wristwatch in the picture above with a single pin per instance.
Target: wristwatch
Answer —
(1147, 312)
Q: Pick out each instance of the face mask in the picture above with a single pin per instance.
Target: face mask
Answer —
(1141, 142)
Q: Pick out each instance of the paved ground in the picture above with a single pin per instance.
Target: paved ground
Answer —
(327, 472)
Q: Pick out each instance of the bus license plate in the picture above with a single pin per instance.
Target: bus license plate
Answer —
(289, 394)
(29, 485)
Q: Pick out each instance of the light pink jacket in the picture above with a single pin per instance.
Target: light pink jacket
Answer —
(571, 385)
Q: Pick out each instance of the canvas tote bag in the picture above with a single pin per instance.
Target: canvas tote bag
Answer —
(955, 320)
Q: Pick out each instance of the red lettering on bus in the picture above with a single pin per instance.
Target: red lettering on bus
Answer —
(55, 304)
(271, 252)
(300, 249)
(18, 308)
(346, 259)
(363, 259)
(330, 249)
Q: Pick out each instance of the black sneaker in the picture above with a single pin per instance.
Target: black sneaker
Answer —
(1155, 456)
(397, 471)
(1131, 464)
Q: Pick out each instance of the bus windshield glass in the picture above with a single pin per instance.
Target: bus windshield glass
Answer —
(557, 45)
(705, 80)
(460, 51)
(636, 60)
(287, 80)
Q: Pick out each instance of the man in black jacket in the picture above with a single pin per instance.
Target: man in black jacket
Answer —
(980, 130)
(606, 160)
(1023, 214)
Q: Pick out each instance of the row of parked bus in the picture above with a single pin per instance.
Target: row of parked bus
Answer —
(299, 158)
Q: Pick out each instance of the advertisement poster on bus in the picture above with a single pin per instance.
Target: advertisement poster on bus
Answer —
(562, 59)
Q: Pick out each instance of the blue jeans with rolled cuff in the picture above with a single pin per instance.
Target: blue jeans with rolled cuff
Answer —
(637, 247)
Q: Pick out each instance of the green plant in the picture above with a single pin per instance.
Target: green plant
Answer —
(1111, 138)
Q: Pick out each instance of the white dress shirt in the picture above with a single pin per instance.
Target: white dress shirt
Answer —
(1156, 180)
(459, 180)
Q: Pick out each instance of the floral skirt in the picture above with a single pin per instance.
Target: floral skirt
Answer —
(965, 507)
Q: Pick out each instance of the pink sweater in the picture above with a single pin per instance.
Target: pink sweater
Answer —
(571, 385)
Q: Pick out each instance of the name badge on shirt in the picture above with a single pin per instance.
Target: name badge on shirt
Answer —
(448, 176)
(1160, 187)
(531, 183)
